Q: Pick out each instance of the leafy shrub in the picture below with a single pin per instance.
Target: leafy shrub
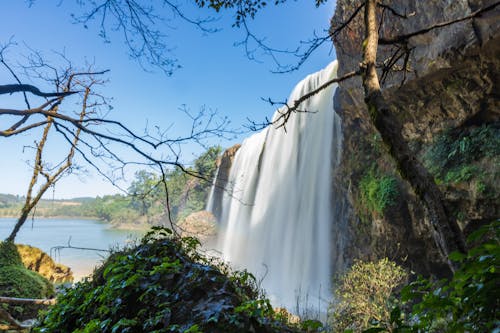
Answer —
(461, 174)
(469, 302)
(364, 294)
(9, 254)
(377, 191)
(454, 149)
(163, 285)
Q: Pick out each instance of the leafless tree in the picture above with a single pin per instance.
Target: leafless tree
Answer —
(75, 113)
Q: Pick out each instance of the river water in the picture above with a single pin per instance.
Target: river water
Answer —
(48, 233)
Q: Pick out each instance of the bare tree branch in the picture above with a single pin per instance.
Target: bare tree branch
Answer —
(13, 88)
(406, 37)
(24, 301)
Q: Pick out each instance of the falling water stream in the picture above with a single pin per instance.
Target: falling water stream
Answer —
(277, 213)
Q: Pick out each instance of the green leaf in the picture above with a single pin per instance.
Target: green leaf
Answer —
(457, 256)
(395, 314)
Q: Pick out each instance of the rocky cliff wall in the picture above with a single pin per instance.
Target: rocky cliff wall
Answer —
(447, 90)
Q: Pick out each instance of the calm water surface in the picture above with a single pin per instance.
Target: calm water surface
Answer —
(47, 233)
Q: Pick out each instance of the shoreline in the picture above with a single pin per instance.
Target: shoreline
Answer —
(118, 226)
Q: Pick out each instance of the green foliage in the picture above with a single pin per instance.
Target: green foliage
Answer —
(461, 174)
(18, 281)
(205, 164)
(377, 191)
(243, 9)
(455, 150)
(145, 201)
(163, 285)
(364, 294)
(144, 191)
(469, 302)
(9, 254)
(189, 194)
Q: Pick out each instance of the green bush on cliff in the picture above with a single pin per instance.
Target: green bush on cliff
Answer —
(452, 152)
(470, 300)
(163, 285)
(377, 191)
(9, 255)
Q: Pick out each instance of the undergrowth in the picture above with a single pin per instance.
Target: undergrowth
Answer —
(467, 302)
(164, 284)
(452, 155)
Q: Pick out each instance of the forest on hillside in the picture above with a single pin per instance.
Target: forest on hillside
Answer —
(145, 202)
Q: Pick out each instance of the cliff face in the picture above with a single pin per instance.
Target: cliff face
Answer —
(221, 179)
(446, 97)
(38, 261)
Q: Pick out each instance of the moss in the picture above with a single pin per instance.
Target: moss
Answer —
(460, 174)
(17, 281)
(9, 254)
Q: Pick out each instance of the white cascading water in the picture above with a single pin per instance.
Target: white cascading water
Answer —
(277, 208)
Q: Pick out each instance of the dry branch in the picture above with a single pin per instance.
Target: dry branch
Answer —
(404, 38)
(29, 301)
(13, 88)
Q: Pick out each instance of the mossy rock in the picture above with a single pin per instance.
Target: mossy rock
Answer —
(18, 281)
(9, 254)
(163, 285)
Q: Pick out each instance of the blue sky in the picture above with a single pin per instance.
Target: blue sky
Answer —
(215, 73)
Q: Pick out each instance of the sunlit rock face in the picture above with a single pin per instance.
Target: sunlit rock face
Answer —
(276, 211)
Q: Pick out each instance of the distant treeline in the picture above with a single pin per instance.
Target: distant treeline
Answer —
(145, 201)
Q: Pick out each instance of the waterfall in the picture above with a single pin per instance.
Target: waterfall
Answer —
(276, 218)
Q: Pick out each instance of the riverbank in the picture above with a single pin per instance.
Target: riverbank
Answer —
(132, 226)
(63, 240)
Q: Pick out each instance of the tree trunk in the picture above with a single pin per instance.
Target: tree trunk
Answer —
(20, 221)
(447, 233)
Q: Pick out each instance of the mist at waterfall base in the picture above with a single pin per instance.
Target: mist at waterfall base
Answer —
(277, 213)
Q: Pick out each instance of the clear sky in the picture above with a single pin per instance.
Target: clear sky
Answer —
(215, 73)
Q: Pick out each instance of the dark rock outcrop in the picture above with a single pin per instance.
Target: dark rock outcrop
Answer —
(452, 83)
(221, 179)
